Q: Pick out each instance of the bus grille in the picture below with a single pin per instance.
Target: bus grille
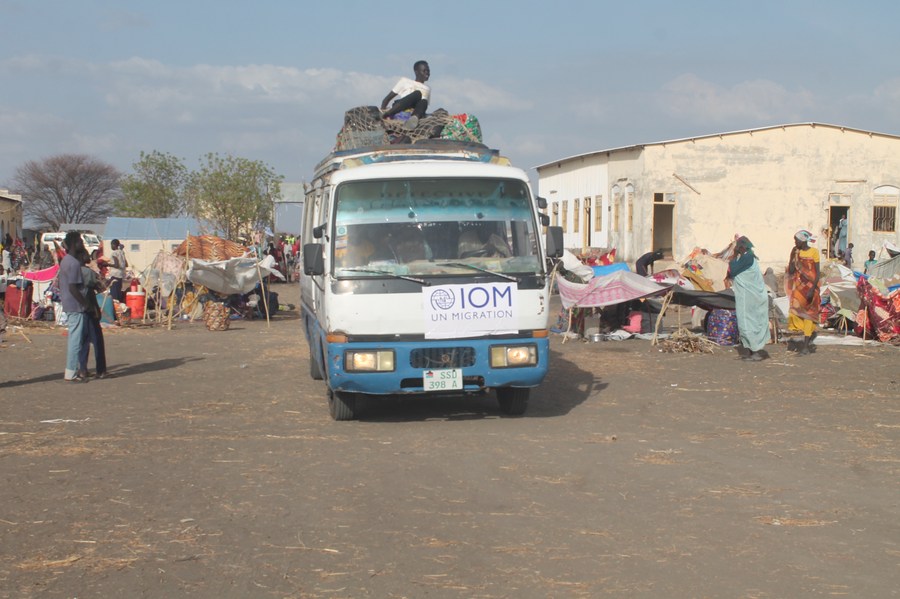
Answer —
(442, 357)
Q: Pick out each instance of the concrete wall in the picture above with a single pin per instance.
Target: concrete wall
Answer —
(765, 184)
(10, 214)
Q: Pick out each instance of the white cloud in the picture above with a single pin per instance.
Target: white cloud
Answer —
(695, 99)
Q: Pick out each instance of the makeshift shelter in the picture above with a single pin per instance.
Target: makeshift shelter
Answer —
(879, 314)
(615, 288)
(169, 272)
(237, 275)
(886, 269)
(41, 279)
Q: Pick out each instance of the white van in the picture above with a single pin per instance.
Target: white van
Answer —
(91, 242)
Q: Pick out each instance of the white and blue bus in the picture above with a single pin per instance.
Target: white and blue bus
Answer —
(425, 273)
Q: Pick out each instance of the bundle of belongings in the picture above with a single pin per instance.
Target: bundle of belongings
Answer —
(364, 127)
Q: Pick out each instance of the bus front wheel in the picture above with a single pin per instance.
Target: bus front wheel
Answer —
(513, 400)
(341, 405)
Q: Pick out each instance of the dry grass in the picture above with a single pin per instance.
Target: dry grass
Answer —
(796, 522)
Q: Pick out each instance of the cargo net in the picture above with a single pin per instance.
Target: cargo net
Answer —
(364, 127)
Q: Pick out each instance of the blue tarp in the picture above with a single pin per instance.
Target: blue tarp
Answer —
(600, 271)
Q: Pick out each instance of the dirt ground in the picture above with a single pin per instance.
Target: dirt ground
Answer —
(209, 467)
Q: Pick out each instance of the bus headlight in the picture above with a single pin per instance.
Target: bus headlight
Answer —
(512, 356)
(369, 360)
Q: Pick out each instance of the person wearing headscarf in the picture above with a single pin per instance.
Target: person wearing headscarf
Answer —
(802, 288)
(751, 299)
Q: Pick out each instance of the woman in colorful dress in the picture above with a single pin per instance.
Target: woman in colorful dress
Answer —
(751, 299)
(802, 287)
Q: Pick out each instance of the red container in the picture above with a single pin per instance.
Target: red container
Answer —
(18, 301)
(135, 301)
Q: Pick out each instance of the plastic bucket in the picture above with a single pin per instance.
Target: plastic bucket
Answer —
(135, 303)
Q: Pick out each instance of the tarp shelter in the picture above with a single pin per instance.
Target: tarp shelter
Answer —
(608, 290)
(238, 275)
(887, 269)
(880, 313)
(41, 279)
(164, 274)
(708, 300)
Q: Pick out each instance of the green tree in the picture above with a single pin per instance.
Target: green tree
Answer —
(155, 189)
(234, 194)
(67, 188)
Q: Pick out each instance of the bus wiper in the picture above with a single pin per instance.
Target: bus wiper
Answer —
(484, 270)
(374, 271)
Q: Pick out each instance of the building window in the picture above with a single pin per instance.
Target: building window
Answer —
(629, 196)
(884, 219)
(598, 213)
(884, 213)
(668, 196)
(565, 215)
(135, 247)
(616, 200)
(576, 212)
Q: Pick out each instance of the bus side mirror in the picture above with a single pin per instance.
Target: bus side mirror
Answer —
(541, 203)
(554, 242)
(318, 231)
(313, 259)
(545, 219)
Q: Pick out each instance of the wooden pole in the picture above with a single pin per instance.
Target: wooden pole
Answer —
(662, 312)
(263, 292)
(175, 288)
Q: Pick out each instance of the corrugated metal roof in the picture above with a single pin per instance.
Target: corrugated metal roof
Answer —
(118, 227)
(672, 141)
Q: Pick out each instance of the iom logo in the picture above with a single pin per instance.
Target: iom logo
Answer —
(442, 299)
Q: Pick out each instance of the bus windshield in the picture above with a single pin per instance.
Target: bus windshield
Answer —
(433, 226)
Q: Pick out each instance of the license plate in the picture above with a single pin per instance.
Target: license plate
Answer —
(444, 379)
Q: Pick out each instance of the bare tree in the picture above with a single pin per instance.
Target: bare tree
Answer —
(67, 188)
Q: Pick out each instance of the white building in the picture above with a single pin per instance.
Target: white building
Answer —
(10, 215)
(764, 183)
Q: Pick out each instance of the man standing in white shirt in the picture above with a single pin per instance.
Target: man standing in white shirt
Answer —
(117, 268)
(409, 94)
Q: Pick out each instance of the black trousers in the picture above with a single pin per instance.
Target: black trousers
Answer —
(413, 100)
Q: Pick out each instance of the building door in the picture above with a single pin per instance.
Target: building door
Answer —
(664, 229)
(836, 242)
(586, 225)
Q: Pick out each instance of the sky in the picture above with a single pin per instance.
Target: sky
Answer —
(270, 80)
